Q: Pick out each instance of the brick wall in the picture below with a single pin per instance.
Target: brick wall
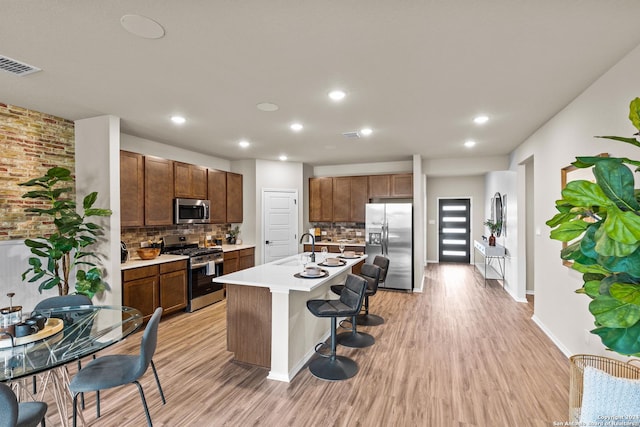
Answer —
(30, 143)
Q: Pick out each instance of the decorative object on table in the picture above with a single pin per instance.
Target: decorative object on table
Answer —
(67, 248)
(495, 228)
(233, 235)
(601, 222)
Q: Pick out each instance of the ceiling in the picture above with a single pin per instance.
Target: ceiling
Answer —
(416, 72)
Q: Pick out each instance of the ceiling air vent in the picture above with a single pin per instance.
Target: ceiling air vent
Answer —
(353, 134)
(16, 67)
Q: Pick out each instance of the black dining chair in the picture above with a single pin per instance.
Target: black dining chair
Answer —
(331, 366)
(120, 369)
(24, 414)
(366, 318)
(355, 338)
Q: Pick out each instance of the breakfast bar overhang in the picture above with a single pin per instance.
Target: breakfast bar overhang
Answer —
(268, 323)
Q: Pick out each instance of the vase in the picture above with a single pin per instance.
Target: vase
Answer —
(492, 240)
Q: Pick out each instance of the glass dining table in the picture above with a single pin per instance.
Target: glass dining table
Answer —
(70, 334)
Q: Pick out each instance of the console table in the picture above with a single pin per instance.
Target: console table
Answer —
(490, 269)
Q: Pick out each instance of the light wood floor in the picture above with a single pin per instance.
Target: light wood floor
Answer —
(458, 354)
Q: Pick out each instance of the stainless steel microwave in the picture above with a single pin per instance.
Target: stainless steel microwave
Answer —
(191, 211)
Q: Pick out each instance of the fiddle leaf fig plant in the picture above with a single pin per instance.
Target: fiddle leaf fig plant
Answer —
(600, 221)
(67, 248)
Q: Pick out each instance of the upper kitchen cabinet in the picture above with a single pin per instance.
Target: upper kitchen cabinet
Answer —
(190, 181)
(349, 198)
(131, 189)
(158, 191)
(321, 199)
(217, 195)
(384, 186)
(234, 198)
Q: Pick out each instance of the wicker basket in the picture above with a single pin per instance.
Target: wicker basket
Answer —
(613, 367)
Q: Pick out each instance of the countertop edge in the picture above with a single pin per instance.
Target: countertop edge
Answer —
(161, 259)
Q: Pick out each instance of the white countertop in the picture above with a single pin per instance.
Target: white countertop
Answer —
(230, 248)
(160, 259)
(336, 243)
(279, 275)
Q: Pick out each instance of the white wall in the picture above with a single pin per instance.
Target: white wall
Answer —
(153, 148)
(364, 169)
(464, 166)
(454, 187)
(602, 109)
(276, 175)
(505, 183)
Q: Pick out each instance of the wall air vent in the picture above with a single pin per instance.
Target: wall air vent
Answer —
(353, 134)
(16, 67)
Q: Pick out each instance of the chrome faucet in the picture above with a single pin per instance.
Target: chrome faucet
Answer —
(313, 246)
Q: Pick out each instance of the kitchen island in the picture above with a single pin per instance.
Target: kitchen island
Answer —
(268, 323)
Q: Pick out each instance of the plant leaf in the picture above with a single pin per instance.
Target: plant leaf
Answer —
(616, 181)
(634, 112)
(621, 340)
(584, 193)
(626, 292)
(569, 230)
(623, 227)
(614, 313)
(631, 141)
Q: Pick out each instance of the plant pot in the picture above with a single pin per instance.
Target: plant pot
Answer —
(231, 240)
(492, 240)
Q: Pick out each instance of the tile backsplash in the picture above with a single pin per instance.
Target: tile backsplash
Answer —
(133, 236)
(338, 230)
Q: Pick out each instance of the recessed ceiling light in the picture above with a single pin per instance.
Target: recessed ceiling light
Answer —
(142, 26)
(337, 95)
(178, 120)
(469, 143)
(296, 127)
(366, 131)
(244, 144)
(480, 120)
(267, 106)
(283, 157)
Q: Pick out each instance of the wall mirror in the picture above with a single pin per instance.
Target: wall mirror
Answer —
(572, 173)
(497, 212)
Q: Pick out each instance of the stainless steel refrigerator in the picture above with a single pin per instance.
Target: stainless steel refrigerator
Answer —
(389, 232)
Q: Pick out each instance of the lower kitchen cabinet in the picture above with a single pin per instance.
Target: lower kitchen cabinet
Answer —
(238, 260)
(160, 285)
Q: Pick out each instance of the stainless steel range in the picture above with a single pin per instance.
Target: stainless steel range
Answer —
(205, 264)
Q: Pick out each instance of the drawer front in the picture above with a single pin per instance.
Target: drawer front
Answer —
(246, 252)
(168, 267)
(139, 273)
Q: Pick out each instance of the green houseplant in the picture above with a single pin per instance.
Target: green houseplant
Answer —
(233, 235)
(600, 221)
(67, 248)
(494, 227)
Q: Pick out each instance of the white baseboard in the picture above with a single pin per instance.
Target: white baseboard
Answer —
(548, 333)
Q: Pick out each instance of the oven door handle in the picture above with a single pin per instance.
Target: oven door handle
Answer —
(204, 264)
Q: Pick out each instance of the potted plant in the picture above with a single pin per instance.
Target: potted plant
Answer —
(233, 235)
(494, 227)
(600, 221)
(67, 248)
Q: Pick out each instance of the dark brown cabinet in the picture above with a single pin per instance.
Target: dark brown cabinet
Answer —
(321, 199)
(131, 189)
(238, 260)
(217, 189)
(160, 285)
(190, 181)
(173, 286)
(397, 185)
(234, 198)
(158, 191)
(349, 198)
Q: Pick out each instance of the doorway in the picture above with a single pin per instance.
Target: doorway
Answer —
(454, 230)
(280, 224)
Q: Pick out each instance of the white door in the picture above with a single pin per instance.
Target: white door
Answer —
(280, 224)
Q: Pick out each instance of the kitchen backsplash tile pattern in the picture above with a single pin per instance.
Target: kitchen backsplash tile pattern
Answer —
(133, 236)
(341, 230)
(31, 143)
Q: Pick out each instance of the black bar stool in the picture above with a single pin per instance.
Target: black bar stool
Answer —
(366, 318)
(371, 273)
(332, 367)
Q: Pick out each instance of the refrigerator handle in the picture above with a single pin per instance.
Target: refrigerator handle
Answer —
(385, 235)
